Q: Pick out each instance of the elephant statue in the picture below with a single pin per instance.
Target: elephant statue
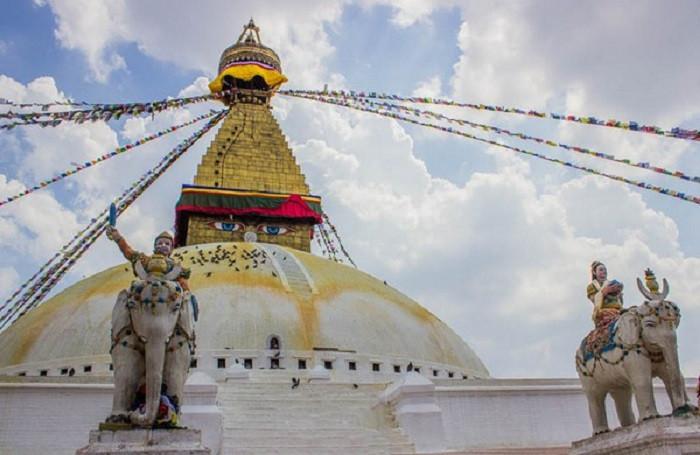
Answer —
(152, 343)
(641, 345)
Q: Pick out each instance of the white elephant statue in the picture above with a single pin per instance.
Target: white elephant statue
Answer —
(152, 343)
(641, 345)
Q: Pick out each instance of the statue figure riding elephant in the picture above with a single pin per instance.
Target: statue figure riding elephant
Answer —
(639, 344)
(152, 338)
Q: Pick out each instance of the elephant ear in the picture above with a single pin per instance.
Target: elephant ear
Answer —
(628, 327)
(185, 320)
(120, 314)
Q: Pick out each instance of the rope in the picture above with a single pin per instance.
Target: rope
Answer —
(675, 132)
(104, 112)
(33, 296)
(106, 156)
(340, 242)
(648, 186)
(495, 129)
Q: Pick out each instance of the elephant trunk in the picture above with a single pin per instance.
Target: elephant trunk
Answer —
(676, 382)
(155, 359)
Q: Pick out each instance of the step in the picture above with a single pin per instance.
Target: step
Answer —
(310, 450)
(360, 444)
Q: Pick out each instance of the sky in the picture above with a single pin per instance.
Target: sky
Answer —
(497, 245)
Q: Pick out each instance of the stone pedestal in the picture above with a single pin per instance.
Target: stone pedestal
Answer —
(142, 442)
(662, 436)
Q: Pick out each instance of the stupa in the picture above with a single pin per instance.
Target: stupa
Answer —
(244, 228)
(294, 353)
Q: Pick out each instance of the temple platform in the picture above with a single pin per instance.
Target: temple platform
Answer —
(177, 441)
(662, 436)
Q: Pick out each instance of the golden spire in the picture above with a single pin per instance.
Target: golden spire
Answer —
(248, 65)
(248, 186)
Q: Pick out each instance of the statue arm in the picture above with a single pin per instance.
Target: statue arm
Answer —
(129, 253)
(182, 281)
(595, 295)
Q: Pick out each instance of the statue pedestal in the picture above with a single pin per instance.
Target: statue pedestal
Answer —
(140, 441)
(662, 436)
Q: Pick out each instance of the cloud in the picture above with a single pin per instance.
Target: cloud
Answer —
(429, 88)
(33, 228)
(92, 28)
(295, 30)
(497, 254)
(9, 279)
(502, 255)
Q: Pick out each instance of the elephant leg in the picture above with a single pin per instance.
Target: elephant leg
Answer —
(596, 409)
(623, 406)
(177, 364)
(644, 395)
(128, 366)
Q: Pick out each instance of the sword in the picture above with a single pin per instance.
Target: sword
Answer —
(112, 215)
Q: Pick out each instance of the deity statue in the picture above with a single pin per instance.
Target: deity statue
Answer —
(152, 337)
(159, 264)
(627, 348)
(605, 295)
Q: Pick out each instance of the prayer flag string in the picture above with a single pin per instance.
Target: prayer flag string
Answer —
(340, 242)
(676, 132)
(648, 186)
(495, 129)
(104, 112)
(117, 151)
(44, 106)
(40, 285)
(329, 249)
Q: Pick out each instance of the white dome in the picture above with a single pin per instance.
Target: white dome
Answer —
(248, 292)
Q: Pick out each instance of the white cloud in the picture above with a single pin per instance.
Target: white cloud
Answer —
(495, 254)
(506, 250)
(93, 28)
(295, 30)
(9, 280)
(429, 88)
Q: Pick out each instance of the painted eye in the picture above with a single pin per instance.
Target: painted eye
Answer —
(226, 226)
(273, 229)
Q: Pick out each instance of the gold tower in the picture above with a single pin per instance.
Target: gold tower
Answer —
(248, 186)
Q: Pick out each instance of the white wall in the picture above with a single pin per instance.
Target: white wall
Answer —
(56, 418)
(523, 413)
(50, 418)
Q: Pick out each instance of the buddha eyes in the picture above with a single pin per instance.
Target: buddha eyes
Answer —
(232, 226)
(227, 226)
(273, 229)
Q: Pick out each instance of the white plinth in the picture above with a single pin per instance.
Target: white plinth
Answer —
(237, 372)
(319, 374)
(413, 399)
(150, 442)
(662, 436)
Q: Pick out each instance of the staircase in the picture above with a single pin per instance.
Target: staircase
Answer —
(290, 268)
(272, 418)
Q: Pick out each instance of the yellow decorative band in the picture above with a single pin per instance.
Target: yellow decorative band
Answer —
(186, 190)
(246, 72)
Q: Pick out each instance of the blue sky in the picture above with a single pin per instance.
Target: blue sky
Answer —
(487, 240)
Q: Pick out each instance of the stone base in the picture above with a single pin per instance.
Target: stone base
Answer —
(662, 436)
(175, 441)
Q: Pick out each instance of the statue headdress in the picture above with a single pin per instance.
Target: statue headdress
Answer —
(165, 235)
